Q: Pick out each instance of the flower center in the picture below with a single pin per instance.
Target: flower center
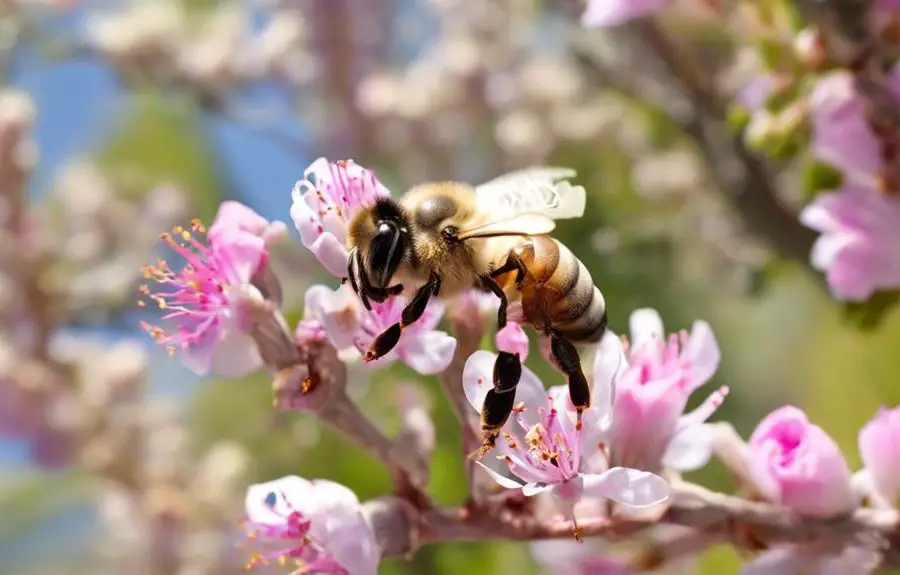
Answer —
(659, 360)
(195, 296)
(303, 552)
(550, 447)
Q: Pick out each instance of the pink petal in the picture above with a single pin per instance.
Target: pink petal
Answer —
(241, 253)
(513, 339)
(628, 487)
(332, 254)
(879, 447)
(616, 12)
(703, 353)
(236, 215)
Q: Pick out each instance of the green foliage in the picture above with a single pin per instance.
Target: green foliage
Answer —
(159, 142)
(816, 177)
(870, 314)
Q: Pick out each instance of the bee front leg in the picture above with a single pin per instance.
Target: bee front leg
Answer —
(386, 340)
(566, 357)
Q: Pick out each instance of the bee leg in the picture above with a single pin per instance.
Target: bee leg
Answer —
(498, 405)
(513, 264)
(499, 401)
(386, 340)
(566, 357)
(492, 286)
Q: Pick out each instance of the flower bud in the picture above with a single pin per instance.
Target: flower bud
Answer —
(796, 464)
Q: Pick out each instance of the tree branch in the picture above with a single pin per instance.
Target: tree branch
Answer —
(714, 517)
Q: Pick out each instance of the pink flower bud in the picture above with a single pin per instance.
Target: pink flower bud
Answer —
(879, 446)
(513, 339)
(614, 12)
(796, 464)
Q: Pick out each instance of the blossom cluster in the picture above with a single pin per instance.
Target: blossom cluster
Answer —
(636, 433)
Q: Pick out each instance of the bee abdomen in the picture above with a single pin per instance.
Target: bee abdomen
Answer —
(588, 327)
(575, 307)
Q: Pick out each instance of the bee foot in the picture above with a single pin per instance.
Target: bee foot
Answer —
(487, 444)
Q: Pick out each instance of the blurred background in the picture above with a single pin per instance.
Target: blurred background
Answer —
(120, 119)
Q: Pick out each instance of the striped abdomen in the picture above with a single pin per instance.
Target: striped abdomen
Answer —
(558, 293)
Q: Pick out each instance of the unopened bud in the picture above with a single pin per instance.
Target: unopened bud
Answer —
(811, 49)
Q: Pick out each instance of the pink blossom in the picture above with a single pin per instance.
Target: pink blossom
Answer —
(841, 135)
(206, 301)
(236, 216)
(798, 560)
(649, 427)
(348, 325)
(879, 446)
(602, 13)
(316, 525)
(542, 447)
(513, 339)
(794, 463)
(325, 201)
(857, 250)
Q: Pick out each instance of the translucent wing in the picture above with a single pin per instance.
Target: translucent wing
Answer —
(541, 191)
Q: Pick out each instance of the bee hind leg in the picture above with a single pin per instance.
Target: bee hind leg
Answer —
(566, 357)
(387, 339)
(499, 401)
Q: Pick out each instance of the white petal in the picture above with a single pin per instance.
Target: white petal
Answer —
(690, 448)
(609, 360)
(501, 480)
(628, 487)
(781, 561)
(646, 325)
(235, 356)
(703, 352)
(530, 489)
(853, 561)
(826, 248)
(268, 503)
(477, 377)
(429, 352)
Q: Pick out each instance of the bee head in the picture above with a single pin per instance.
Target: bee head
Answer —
(389, 243)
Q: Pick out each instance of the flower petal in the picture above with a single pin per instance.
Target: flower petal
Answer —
(270, 502)
(477, 377)
(240, 254)
(501, 480)
(601, 13)
(629, 487)
(531, 489)
(780, 561)
(690, 448)
(513, 339)
(427, 353)
(331, 253)
(235, 355)
(703, 352)
(609, 360)
(646, 326)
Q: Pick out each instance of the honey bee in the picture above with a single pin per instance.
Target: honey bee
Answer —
(448, 237)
